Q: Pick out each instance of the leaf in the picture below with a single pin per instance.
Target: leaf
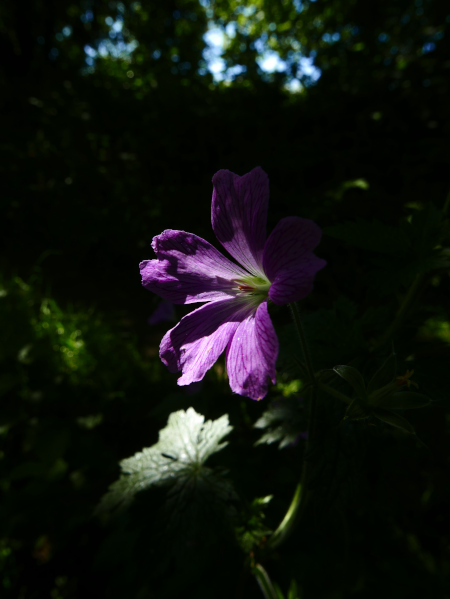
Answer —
(294, 591)
(384, 375)
(394, 420)
(356, 411)
(374, 236)
(404, 400)
(387, 273)
(354, 377)
(285, 419)
(183, 447)
(424, 229)
(278, 591)
(333, 336)
(253, 530)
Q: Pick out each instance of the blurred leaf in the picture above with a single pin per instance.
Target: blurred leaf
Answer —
(374, 236)
(436, 327)
(384, 375)
(394, 420)
(424, 229)
(356, 411)
(254, 530)
(403, 400)
(285, 421)
(294, 591)
(183, 447)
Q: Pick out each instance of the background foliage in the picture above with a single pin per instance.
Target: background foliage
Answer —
(112, 127)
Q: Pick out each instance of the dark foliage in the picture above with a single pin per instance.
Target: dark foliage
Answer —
(111, 134)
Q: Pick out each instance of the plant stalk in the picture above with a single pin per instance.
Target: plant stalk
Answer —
(301, 494)
(264, 582)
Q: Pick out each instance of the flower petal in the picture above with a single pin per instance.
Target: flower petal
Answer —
(252, 354)
(197, 341)
(239, 215)
(288, 260)
(188, 269)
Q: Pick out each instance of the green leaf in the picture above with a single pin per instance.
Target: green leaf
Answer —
(394, 420)
(253, 529)
(183, 447)
(285, 420)
(384, 375)
(403, 400)
(356, 411)
(278, 591)
(374, 236)
(354, 377)
(294, 591)
(334, 336)
(424, 229)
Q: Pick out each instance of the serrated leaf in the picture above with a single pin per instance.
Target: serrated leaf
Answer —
(384, 375)
(354, 378)
(183, 447)
(285, 421)
(403, 400)
(374, 236)
(394, 420)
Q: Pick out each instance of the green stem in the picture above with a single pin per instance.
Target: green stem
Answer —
(290, 519)
(301, 494)
(264, 582)
(401, 313)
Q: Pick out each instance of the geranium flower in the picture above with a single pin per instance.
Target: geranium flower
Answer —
(235, 317)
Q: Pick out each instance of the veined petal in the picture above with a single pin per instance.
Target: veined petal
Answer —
(197, 341)
(252, 354)
(188, 269)
(288, 260)
(239, 215)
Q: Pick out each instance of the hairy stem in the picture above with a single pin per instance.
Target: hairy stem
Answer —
(302, 493)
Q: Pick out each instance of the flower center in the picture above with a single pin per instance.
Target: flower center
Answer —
(256, 287)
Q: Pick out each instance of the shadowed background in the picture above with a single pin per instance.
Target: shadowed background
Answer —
(115, 116)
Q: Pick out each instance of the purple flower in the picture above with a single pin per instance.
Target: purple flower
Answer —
(188, 269)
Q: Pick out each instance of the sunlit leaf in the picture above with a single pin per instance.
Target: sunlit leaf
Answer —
(183, 447)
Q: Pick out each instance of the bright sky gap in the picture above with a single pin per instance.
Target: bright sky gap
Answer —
(268, 60)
